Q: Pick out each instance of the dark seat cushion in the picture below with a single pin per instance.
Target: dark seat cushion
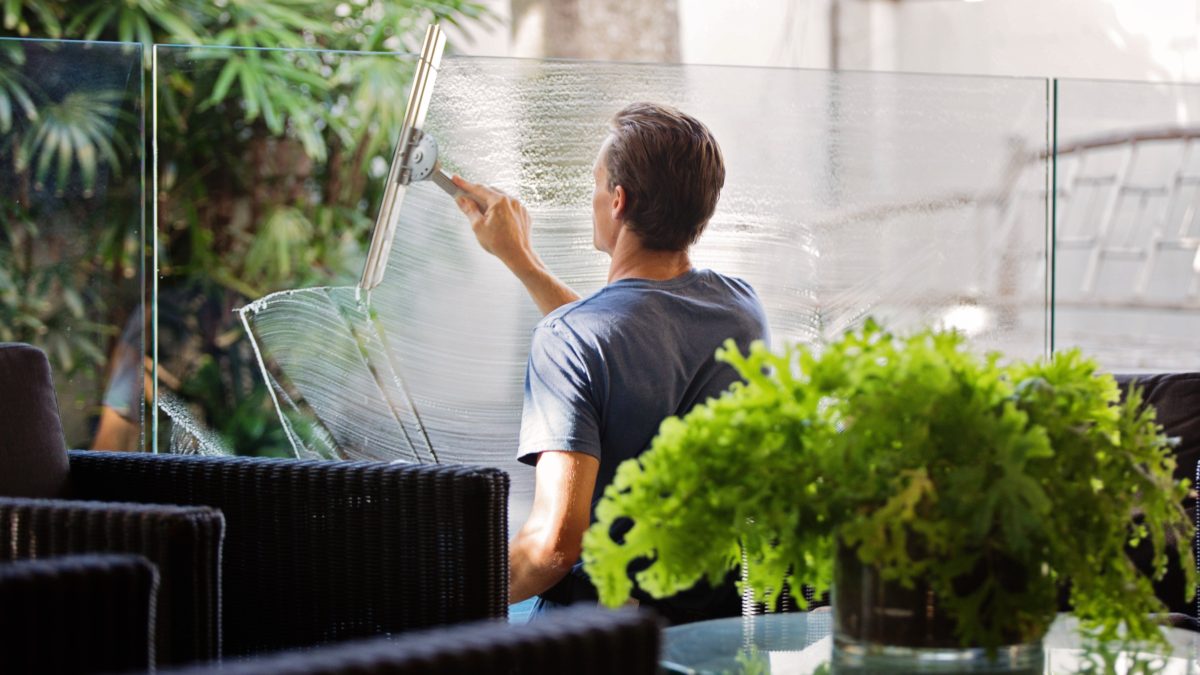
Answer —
(33, 452)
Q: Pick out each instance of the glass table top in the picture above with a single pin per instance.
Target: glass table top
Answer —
(802, 643)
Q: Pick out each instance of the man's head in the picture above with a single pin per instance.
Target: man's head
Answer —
(659, 174)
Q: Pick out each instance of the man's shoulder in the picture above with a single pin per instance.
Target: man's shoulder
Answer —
(628, 296)
(581, 309)
(572, 325)
(733, 293)
(634, 303)
(733, 283)
(599, 306)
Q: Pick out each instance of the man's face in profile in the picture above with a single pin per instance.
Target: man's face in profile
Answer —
(604, 230)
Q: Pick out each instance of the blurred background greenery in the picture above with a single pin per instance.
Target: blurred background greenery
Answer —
(271, 156)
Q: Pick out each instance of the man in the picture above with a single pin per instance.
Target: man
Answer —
(604, 371)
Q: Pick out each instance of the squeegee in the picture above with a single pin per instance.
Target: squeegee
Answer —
(415, 159)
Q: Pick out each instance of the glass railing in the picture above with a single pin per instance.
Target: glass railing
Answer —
(269, 168)
(71, 235)
(914, 199)
(920, 200)
(1127, 235)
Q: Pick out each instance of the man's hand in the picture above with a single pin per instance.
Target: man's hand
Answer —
(503, 230)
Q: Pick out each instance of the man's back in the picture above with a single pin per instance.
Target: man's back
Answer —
(604, 372)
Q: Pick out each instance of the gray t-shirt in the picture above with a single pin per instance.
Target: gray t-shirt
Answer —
(605, 371)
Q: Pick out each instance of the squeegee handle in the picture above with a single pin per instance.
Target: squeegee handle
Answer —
(443, 181)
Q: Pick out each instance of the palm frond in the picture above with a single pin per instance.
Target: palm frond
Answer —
(14, 96)
(74, 132)
(44, 14)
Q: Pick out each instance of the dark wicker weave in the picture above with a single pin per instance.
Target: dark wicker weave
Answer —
(183, 542)
(319, 551)
(77, 614)
(579, 641)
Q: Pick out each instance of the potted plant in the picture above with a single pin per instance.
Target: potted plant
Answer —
(907, 469)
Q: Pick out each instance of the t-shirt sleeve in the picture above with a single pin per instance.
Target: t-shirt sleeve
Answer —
(559, 411)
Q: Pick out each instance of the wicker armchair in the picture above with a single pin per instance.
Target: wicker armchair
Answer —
(256, 554)
(183, 542)
(581, 641)
(319, 551)
(77, 614)
(39, 523)
(312, 552)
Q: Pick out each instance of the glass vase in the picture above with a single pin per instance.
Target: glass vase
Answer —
(882, 627)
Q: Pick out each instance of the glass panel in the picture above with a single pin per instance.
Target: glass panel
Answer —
(1127, 272)
(915, 199)
(71, 248)
(269, 166)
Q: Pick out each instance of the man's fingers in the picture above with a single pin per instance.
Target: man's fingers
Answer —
(468, 206)
(485, 193)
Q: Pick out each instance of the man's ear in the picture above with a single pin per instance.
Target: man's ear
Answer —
(618, 203)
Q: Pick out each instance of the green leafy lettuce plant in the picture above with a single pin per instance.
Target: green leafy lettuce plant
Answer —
(927, 461)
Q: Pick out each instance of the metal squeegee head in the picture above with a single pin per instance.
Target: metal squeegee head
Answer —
(399, 175)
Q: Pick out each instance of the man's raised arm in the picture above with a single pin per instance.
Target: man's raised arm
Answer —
(503, 230)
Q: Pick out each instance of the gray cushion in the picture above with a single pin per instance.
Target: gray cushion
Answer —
(33, 452)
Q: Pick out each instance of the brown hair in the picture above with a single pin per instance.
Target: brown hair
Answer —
(671, 169)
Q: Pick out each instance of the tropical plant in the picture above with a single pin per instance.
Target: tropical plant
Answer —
(926, 462)
(67, 252)
(269, 153)
(14, 88)
(46, 303)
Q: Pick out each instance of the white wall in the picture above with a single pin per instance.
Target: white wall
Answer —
(786, 33)
(789, 33)
(1108, 39)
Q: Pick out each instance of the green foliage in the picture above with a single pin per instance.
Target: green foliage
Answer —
(70, 246)
(14, 88)
(36, 17)
(46, 304)
(76, 131)
(751, 661)
(248, 424)
(46, 125)
(993, 482)
(264, 154)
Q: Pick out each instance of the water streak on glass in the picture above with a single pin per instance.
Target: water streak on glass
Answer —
(187, 436)
(916, 199)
